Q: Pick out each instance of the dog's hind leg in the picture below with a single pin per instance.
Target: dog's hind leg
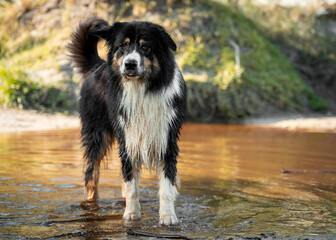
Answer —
(131, 171)
(96, 145)
(97, 134)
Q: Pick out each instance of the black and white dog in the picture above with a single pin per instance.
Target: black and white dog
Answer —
(138, 97)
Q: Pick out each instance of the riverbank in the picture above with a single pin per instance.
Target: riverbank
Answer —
(323, 124)
(13, 120)
(297, 122)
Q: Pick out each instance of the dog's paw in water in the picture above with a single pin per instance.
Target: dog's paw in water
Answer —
(129, 216)
(168, 219)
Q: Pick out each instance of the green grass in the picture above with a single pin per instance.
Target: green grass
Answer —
(17, 90)
(317, 103)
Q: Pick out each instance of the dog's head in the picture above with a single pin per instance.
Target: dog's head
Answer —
(137, 50)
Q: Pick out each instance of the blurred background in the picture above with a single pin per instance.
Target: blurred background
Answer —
(240, 58)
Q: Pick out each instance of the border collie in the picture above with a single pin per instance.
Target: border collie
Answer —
(138, 98)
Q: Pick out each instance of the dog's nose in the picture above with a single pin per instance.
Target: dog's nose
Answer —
(131, 64)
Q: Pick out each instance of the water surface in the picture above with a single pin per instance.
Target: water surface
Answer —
(232, 186)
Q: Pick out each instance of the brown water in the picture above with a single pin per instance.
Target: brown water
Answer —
(232, 186)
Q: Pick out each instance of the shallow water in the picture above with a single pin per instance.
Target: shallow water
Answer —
(232, 186)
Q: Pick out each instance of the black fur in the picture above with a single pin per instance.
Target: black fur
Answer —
(83, 47)
(102, 90)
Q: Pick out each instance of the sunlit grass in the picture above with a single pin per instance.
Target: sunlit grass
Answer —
(12, 35)
(39, 56)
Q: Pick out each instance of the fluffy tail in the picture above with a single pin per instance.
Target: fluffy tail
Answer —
(83, 45)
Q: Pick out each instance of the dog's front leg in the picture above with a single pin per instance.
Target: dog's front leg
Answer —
(131, 179)
(132, 210)
(169, 182)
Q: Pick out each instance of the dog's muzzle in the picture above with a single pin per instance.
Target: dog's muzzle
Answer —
(131, 66)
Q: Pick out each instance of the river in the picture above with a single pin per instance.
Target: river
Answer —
(232, 186)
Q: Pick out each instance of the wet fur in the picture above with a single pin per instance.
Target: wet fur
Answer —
(144, 115)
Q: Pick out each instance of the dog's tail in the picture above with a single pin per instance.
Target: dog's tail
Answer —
(83, 46)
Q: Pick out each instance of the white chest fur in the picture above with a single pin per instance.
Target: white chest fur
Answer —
(148, 118)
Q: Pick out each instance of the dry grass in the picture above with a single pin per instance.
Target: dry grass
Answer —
(14, 32)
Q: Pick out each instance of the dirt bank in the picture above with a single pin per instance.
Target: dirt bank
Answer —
(295, 122)
(325, 124)
(12, 120)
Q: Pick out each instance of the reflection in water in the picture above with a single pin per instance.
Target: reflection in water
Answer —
(232, 185)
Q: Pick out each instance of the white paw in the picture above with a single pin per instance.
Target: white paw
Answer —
(168, 219)
(128, 216)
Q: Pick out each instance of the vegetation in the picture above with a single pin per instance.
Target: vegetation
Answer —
(219, 88)
(266, 77)
(303, 28)
(16, 90)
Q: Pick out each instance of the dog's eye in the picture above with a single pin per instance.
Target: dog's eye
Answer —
(145, 47)
(123, 45)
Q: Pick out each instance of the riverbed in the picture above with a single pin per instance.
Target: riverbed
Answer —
(232, 186)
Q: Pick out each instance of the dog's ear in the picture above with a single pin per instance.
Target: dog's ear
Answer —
(105, 31)
(166, 38)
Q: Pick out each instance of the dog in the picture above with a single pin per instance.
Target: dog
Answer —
(136, 97)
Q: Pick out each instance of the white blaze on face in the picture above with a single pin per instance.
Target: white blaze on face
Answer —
(135, 56)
